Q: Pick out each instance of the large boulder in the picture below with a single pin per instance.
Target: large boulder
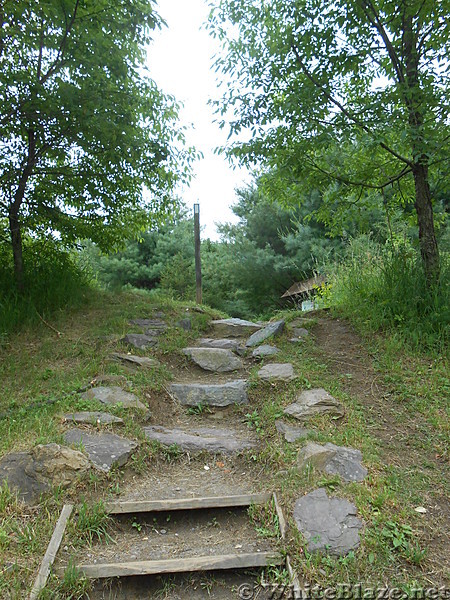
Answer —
(214, 359)
(104, 449)
(314, 402)
(270, 330)
(39, 470)
(113, 396)
(203, 438)
(277, 372)
(234, 327)
(329, 525)
(225, 394)
(334, 460)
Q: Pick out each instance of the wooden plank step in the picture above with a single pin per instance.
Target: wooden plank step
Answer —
(182, 565)
(128, 507)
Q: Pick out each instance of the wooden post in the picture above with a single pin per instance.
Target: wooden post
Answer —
(198, 265)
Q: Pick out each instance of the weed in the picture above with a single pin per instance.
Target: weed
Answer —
(264, 519)
(73, 586)
(92, 522)
(199, 409)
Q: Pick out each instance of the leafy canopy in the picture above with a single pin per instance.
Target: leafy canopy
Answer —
(89, 146)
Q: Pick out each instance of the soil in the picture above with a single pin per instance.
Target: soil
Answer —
(196, 533)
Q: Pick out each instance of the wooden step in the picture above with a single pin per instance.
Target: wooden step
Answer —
(182, 565)
(129, 507)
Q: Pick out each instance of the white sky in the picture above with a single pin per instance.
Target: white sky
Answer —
(180, 59)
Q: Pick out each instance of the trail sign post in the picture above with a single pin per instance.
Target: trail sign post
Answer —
(198, 265)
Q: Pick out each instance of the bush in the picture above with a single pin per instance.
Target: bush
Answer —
(383, 287)
(54, 279)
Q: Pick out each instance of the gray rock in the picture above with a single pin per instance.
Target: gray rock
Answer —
(334, 460)
(223, 344)
(214, 359)
(32, 473)
(204, 438)
(139, 340)
(301, 321)
(271, 330)
(264, 350)
(104, 450)
(328, 524)
(234, 327)
(277, 371)
(299, 334)
(139, 362)
(291, 433)
(92, 418)
(185, 324)
(233, 392)
(114, 395)
(314, 402)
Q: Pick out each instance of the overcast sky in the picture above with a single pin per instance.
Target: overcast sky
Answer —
(180, 60)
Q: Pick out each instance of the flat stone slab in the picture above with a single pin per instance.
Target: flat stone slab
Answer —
(334, 460)
(203, 438)
(328, 524)
(39, 470)
(104, 449)
(299, 334)
(139, 340)
(234, 327)
(138, 362)
(271, 330)
(114, 396)
(92, 418)
(264, 350)
(277, 372)
(224, 343)
(214, 359)
(290, 433)
(225, 394)
(314, 402)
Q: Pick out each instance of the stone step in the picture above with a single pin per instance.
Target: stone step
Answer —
(264, 350)
(334, 460)
(314, 402)
(216, 360)
(92, 418)
(104, 450)
(234, 327)
(271, 330)
(197, 439)
(277, 372)
(113, 396)
(225, 394)
(141, 341)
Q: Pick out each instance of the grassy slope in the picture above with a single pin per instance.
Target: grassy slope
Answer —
(41, 372)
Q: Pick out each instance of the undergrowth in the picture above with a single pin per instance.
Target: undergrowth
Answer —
(384, 288)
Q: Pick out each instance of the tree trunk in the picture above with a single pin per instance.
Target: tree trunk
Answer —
(16, 242)
(427, 236)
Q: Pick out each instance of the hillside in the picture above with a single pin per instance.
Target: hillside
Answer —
(380, 400)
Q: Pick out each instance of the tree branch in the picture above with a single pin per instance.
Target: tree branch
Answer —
(344, 110)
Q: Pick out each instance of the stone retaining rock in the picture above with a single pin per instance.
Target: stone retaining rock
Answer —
(225, 394)
(113, 396)
(214, 359)
(277, 372)
(224, 344)
(334, 460)
(234, 327)
(328, 524)
(290, 433)
(42, 468)
(204, 438)
(138, 362)
(104, 450)
(139, 340)
(314, 402)
(271, 330)
(264, 350)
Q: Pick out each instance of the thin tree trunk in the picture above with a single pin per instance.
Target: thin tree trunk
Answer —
(16, 242)
(427, 237)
